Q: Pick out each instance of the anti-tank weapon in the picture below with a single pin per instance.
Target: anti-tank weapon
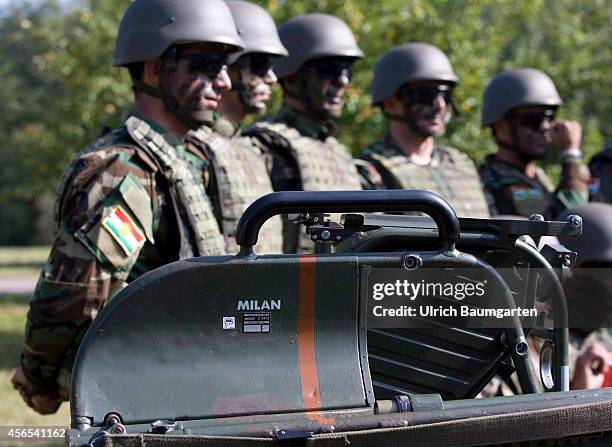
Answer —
(280, 349)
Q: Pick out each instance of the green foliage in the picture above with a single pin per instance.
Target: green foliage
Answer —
(59, 90)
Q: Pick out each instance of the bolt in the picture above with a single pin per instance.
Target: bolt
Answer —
(575, 220)
(521, 348)
(325, 234)
(338, 238)
(536, 218)
(567, 261)
(412, 262)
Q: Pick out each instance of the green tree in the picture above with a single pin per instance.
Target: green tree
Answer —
(59, 89)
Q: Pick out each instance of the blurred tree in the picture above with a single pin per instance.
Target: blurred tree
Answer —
(59, 90)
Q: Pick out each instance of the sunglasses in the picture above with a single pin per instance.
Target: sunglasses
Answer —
(533, 120)
(208, 64)
(258, 64)
(332, 70)
(427, 96)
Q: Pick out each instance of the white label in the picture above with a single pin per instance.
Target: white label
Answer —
(229, 322)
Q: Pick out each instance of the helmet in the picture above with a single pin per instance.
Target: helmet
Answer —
(409, 62)
(256, 29)
(313, 36)
(150, 27)
(515, 88)
(595, 244)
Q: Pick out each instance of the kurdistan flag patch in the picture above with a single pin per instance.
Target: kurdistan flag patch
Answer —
(124, 230)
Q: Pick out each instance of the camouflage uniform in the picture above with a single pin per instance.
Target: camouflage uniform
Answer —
(239, 176)
(304, 157)
(451, 174)
(510, 191)
(129, 203)
(601, 170)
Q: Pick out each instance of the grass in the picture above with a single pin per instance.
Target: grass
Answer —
(23, 256)
(12, 409)
(22, 262)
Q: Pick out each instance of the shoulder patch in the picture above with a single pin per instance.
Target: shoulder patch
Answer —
(124, 230)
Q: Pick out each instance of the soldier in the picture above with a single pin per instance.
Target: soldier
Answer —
(131, 201)
(589, 295)
(240, 174)
(519, 106)
(413, 85)
(250, 70)
(314, 78)
(601, 171)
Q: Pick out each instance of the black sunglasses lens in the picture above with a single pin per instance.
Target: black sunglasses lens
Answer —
(428, 95)
(209, 64)
(535, 120)
(334, 70)
(260, 66)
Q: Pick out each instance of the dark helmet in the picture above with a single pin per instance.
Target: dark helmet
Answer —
(595, 244)
(150, 27)
(314, 36)
(256, 29)
(409, 62)
(514, 88)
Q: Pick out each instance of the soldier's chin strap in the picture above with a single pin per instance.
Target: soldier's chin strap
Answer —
(512, 145)
(193, 120)
(313, 99)
(245, 95)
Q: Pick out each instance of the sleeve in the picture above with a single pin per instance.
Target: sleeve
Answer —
(573, 188)
(108, 217)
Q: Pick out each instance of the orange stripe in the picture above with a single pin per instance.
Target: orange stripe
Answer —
(306, 339)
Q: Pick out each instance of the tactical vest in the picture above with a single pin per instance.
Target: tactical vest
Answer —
(241, 178)
(186, 187)
(323, 165)
(451, 175)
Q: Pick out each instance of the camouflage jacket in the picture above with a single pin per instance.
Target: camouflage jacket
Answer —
(120, 213)
(304, 156)
(450, 174)
(510, 191)
(601, 170)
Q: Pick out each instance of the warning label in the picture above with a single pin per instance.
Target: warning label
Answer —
(256, 322)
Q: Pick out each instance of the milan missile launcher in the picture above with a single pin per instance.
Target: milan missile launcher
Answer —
(282, 349)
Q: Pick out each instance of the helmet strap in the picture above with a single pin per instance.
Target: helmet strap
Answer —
(244, 94)
(312, 99)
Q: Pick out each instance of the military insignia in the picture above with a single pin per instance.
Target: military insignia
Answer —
(124, 230)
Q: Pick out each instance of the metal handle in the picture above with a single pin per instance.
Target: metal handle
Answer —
(347, 201)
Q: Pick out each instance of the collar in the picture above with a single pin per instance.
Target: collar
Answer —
(305, 124)
(169, 136)
(437, 156)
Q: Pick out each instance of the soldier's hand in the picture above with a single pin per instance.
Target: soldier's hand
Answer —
(566, 135)
(45, 403)
(41, 403)
(591, 367)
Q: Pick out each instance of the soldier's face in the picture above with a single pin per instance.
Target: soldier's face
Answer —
(530, 128)
(326, 83)
(427, 105)
(198, 78)
(253, 78)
